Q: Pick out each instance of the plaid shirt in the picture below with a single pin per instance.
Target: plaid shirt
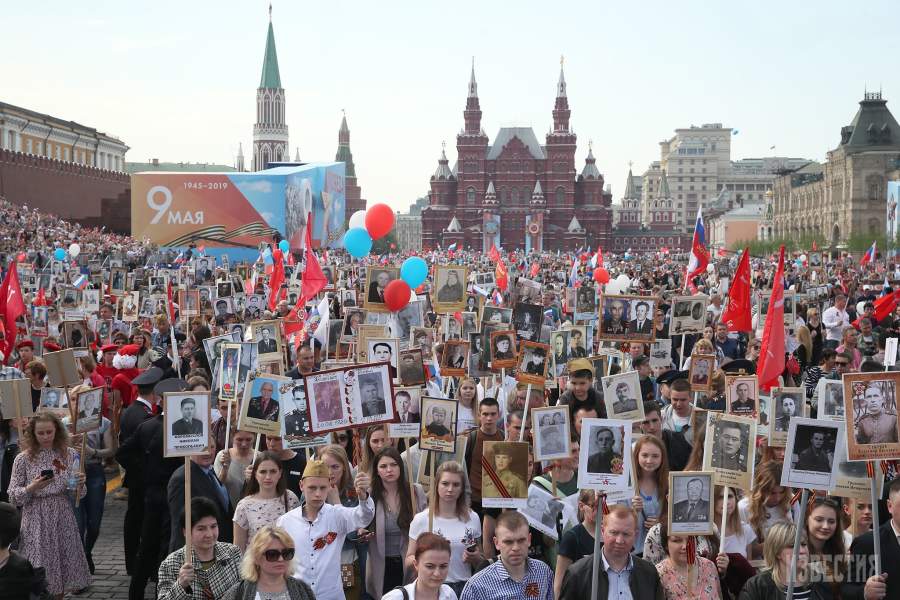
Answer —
(209, 584)
(494, 583)
(7, 373)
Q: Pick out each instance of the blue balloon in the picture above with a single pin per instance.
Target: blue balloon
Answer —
(59, 254)
(358, 242)
(284, 245)
(413, 271)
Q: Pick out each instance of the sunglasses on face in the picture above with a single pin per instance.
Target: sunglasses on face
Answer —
(272, 555)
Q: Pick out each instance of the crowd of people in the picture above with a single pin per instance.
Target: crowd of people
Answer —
(359, 513)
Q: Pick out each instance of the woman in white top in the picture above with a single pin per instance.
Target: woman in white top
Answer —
(455, 521)
(232, 464)
(431, 560)
(267, 499)
(768, 503)
(467, 396)
(738, 535)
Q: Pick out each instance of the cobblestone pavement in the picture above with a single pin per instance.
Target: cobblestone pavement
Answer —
(110, 579)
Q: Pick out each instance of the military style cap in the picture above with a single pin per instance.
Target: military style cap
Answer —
(170, 385)
(315, 468)
(580, 364)
(149, 377)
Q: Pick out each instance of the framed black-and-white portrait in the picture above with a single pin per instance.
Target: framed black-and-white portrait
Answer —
(407, 400)
(604, 461)
(533, 363)
(661, 354)
(485, 280)
(870, 403)
(551, 432)
(129, 306)
(526, 321)
(261, 406)
(295, 429)
(830, 394)
(543, 511)
(353, 318)
(87, 408)
(691, 503)
(688, 314)
(189, 302)
(786, 403)
(503, 350)
(406, 318)
(559, 349)
(411, 369)
(117, 281)
(438, 424)
(478, 361)
(701, 371)
(812, 447)
(622, 396)
(54, 398)
(187, 421)
(422, 337)
(496, 315)
(75, 334)
(730, 449)
(742, 396)
(454, 358)
(213, 346)
(528, 291)
(469, 324)
(40, 317)
(627, 318)
(451, 327)
(586, 303)
(383, 349)
(377, 279)
(450, 289)
(90, 300)
(267, 336)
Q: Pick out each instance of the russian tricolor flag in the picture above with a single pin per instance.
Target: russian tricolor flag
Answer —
(869, 256)
(451, 247)
(573, 276)
(699, 253)
(597, 259)
(497, 298)
(81, 283)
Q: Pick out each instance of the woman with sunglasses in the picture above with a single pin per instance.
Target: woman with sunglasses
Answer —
(267, 569)
(266, 498)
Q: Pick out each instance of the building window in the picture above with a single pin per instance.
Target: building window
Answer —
(66, 154)
(470, 195)
(560, 195)
(58, 152)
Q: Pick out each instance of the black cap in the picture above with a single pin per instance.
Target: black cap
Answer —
(169, 386)
(149, 377)
(740, 364)
(669, 376)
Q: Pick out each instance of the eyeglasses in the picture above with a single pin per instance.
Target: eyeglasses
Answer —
(272, 555)
(841, 363)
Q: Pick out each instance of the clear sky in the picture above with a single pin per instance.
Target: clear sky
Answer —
(177, 80)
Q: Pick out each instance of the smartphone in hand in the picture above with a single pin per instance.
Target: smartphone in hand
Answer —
(47, 474)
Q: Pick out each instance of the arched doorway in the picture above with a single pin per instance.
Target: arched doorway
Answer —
(835, 235)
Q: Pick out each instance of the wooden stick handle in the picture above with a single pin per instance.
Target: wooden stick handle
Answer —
(187, 510)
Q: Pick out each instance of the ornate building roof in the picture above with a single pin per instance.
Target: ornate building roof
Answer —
(271, 78)
(525, 135)
(873, 125)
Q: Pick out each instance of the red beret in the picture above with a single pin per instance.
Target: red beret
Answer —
(25, 344)
(109, 348)
(52, 347)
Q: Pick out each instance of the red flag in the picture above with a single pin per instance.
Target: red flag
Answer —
(277, 277)
(12, 306)
(314, 280)
(494, 254)
(815, 247)
(294, 320)
(500, 275)
(41, 299)
(737, 314)
(771, 353)
(884, 306)
(535, 269)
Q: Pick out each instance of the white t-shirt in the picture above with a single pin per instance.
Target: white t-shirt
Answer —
(465, 419)
(737, 543)
(460, 534)
(773, 515)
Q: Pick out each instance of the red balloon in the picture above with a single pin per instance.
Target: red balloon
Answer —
(22, 257)
(379, 220)
(601, 275)
(396, 295)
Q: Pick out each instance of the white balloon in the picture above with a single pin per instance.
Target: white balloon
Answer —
(358, 219)
(710, 268)
(802, 258)
(74, 250)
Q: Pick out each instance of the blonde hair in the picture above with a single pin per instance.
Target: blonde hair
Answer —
(703, 346)
(340, 455)
(254, 553)
(767, 478)
(462, 502)
(779, 537)
(733, 521)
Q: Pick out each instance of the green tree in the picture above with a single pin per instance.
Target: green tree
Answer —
(383, 245)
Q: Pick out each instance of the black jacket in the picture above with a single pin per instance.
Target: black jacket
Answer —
(135, 414)
(594, 400)
(644, 581)
(762, 587)
(863, 549)
(21, 581)
(200, 486)
(143, 453)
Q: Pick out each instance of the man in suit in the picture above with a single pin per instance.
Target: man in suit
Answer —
(404, 408)
(694, 508)
(576, 344)
(203, 483)
(137, 412)
(265, 406)
(376, 287)
(411, 370)
(602, 458)
(266, 345)
(640, 323)
(887, 583)
(743, 404)
(816, 457)
(187, 424)
(142, 452)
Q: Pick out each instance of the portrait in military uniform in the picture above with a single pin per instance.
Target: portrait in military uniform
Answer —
(532, 366)
(559, 346)
(438, 424)
(187, 417)
(788, 403)
(585, 303)
(296, 423)
(691, 503)
(450, 289)
(622, 396)
(688, 314)
(504, 480)
(503, 350)
(870, 403)
(741, 394)
(729, 448)
(701, 372)
(831, 399)
(411, 369)
(604, 460)
(454, 358)
(551, 431)
(811, 455)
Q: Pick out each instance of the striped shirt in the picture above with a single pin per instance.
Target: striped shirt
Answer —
(495, 583)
